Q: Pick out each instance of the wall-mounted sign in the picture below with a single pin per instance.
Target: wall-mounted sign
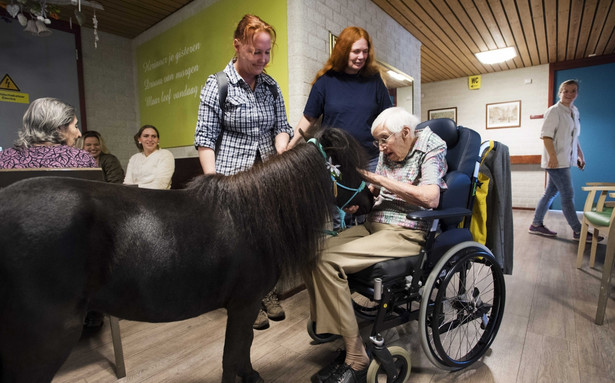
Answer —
(9, 91)
(474, 82)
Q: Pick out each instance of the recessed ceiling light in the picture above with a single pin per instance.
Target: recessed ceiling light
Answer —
(496, 56)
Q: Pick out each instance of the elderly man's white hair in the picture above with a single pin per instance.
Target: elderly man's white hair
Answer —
(394, 119)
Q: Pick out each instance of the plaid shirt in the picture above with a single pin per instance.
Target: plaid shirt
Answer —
(252, 120)
(424, 165)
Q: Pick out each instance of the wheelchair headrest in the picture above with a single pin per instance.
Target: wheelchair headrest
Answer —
(445, 128)
(462, 144)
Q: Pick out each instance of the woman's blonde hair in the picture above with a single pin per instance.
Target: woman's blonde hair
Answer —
(92, 133)
(338, 61)
(568, 82)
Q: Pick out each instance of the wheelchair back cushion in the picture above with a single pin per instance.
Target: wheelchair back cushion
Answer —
(462, 154)
(462, 144)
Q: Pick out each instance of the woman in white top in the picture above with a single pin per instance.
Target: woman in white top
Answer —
(560, 134)
(152, 167)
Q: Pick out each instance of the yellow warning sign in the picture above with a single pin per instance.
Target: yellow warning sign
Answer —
(12, 96)
(474, 82)
(8, 83)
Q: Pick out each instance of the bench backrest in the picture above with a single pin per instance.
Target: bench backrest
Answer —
(10, 176)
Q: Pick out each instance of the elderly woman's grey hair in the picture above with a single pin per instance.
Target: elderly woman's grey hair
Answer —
(44, 122)
(394, 119)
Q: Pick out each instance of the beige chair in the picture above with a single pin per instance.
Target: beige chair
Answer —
(9, 176)
(598, 213)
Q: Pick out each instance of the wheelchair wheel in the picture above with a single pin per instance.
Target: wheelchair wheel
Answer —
(462, 306)
(364, 307)
(319, 338)
(401, 359)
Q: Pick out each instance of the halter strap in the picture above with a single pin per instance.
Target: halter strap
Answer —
(356, 191)
(319, 146)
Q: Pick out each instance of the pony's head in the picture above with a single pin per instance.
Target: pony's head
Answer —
(344, 156)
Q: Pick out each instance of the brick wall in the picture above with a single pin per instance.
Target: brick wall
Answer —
(110, 95)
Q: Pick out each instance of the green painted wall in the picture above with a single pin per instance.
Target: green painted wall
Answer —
(173, 66)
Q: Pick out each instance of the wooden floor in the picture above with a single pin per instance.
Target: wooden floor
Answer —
(547, 335)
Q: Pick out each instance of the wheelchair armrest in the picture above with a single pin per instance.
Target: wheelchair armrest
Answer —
(429, 215)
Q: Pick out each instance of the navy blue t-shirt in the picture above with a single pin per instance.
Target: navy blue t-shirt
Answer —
(349, 102)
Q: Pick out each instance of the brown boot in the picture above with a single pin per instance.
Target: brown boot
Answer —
(261, 322)
(271, 304)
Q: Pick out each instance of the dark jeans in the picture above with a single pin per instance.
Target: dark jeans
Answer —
(559, 182)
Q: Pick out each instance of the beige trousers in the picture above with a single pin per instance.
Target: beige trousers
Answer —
(349, 252)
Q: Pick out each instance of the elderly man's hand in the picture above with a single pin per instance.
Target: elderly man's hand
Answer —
(351, 209)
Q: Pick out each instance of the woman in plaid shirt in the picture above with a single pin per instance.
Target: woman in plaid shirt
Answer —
(253, 125)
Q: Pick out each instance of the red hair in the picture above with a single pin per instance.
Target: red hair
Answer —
(338, 61)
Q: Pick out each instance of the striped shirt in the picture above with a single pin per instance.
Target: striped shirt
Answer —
(252, 120)
(424, 165)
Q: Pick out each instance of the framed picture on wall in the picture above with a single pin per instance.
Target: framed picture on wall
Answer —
(503, 115)
(443, 113)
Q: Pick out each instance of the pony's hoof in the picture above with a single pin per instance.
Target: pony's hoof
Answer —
(253, 377)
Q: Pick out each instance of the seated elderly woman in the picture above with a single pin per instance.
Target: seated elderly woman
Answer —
(46, 139)
(409, 177)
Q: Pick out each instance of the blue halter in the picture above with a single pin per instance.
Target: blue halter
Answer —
(356, 191)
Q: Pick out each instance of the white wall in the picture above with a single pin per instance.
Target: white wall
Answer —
(405, 99)
(531, 86)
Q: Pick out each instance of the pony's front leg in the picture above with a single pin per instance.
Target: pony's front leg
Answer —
(237, 343)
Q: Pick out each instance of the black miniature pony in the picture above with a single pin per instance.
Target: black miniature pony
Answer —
(69, 245)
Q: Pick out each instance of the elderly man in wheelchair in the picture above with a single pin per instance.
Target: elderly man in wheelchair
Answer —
(406, 253)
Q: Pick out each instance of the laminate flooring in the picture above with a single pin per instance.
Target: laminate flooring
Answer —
(547, 334)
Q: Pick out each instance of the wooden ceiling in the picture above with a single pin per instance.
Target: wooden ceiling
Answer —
(542, 31)
(451, 31)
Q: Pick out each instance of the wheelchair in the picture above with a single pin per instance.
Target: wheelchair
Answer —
(454, 288)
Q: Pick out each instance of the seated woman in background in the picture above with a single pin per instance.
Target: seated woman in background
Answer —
(152, 167)
(92, 142)
(46, 139)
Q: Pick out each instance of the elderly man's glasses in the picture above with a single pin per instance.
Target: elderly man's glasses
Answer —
(383, 141)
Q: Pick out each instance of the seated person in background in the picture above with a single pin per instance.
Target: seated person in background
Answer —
(152, 167)
(408, 177)
(46, 139)
(92, 142)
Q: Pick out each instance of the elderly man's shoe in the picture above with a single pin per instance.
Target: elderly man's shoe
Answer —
(325, 372)
(345, 374)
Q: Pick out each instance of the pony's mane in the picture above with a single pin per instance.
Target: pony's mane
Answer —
(282, 204)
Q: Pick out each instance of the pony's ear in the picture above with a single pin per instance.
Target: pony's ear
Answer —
(302, 133)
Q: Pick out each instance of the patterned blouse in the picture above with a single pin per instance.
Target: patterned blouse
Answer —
(424, 165)
(54, 156)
